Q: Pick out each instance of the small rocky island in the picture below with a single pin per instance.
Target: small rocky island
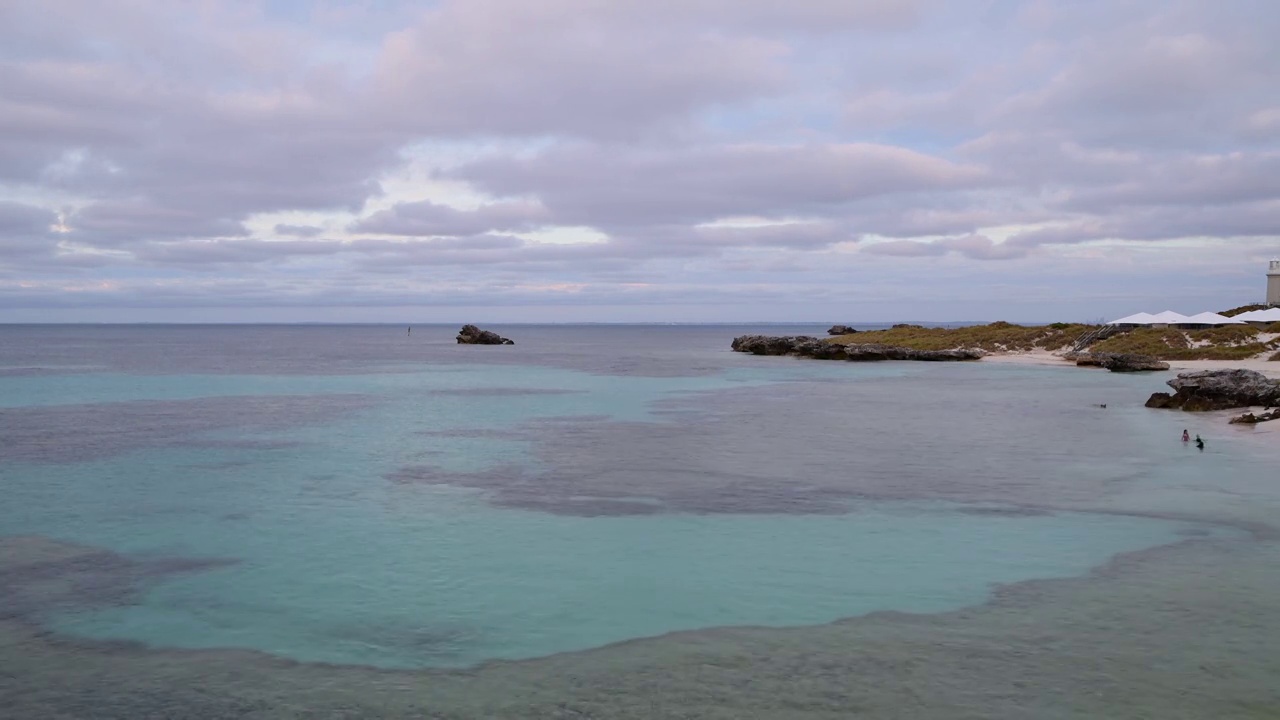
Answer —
(472, 335)
(812, 347)
(1205, 390)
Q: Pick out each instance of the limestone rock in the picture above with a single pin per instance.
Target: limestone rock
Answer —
(875, 351)
(1117, 362)
(1127, 362)
(805, 346)
(766, 345)
(472, 335)
(1252, 419)
(1219, 390)
(1084, 359)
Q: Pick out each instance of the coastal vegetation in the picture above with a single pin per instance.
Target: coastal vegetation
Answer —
(1234, 342)
(1243, 309)
(994, 337)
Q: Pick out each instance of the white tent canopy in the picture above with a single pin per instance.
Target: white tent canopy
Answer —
(1169, 317)
(1210, 318)
(1139, 319)
(1268, 315)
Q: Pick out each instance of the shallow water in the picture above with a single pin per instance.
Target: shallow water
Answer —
(360, 496)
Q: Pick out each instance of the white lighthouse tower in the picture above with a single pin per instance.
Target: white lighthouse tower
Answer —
(1273, 283)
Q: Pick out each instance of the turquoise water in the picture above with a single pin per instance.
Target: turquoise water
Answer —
(458, 509)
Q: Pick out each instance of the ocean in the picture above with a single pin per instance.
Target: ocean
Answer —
(614, 521)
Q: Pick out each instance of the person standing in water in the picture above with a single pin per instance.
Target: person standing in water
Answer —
(1186, 437)
(411, 332)
(1199, 443)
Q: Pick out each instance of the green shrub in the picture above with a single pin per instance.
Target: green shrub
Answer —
(1227, 334)
(1242, 309)
(997, 336)
(1232, 342)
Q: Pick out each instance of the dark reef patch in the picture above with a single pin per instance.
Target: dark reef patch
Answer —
(476, 433)
(39, 575)
(800, 449)
(502, 392)
(1004, 511)
(78, 433)
(623, 491)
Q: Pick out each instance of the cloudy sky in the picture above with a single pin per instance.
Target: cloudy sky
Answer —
(635, 160)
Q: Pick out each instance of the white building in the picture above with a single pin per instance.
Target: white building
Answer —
(1132, 321)
(1273, 283)
(1209, 319)
(1260, 318)
(1171, 319)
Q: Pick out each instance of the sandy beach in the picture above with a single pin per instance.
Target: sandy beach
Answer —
(1045, 357)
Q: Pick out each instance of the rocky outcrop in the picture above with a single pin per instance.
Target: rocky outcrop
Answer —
(1252, 418)
(1218, 390)
(1133, 363)
(472, 335)
(805, 346)
(841, 330)
(1117, 362)
(768, 345)
(872, 351)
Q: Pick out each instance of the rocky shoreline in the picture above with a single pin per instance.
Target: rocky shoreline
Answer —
(1208, 390)
(819, 349)
(1117, 362)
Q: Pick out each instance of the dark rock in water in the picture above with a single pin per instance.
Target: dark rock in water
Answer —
(820, 350)
(766, 345)
(841, 330)
(872, 352)
(876, 351)
(472, 335)
(811, 347)
(1084, 359)
(1117, 362)
(907, 326)
(1252, 419)
(1126, 362)
(1218, 390)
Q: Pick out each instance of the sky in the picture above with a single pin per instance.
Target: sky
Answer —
(635, 160)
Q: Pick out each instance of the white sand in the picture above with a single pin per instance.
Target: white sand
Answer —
(1270, 368)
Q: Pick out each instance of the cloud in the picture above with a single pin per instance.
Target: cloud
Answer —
(586, 68)
(324, 151)
(973, 247)
(115, 223)
(25, 230)
(298, 230)
(609, 186)
(425, 218)
(22, 219)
